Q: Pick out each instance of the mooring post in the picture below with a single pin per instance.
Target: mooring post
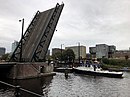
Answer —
(66, 73)
(17, 91)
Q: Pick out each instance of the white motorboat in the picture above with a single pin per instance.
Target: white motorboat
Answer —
(95, 71)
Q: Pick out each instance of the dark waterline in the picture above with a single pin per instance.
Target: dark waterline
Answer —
(74, 86)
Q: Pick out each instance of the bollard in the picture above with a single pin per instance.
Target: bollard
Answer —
(66, 73)
(17, 91)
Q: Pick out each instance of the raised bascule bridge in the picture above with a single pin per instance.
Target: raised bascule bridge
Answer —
(28, 58)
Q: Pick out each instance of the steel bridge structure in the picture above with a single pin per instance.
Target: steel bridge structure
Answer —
(35, 41)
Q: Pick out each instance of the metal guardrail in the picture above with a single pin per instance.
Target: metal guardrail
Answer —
(18, 89)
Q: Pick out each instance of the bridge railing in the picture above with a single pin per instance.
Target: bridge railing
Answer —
(18, 89)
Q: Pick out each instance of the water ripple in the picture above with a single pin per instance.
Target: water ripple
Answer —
(89, 86)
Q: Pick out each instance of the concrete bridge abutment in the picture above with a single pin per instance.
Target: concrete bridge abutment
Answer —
(30, 70)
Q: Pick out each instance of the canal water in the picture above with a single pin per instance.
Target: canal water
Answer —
(74, 86)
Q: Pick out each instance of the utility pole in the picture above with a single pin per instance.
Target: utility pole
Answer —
(79, 51)
(61, 52)
(21, 39)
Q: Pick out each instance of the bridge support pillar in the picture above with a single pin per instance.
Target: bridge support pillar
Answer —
(30, 70)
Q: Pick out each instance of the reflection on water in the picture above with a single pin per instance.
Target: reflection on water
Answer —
(36, 85)
(74, 86)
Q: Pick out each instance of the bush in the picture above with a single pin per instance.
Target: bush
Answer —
(117, 62)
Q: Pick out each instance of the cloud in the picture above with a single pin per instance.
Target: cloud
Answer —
(88, 21)
(99, 21)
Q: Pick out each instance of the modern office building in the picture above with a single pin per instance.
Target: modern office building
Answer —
(14, 45)
(92, 51)
(102, 51)
(78, 50)
(112, 50)
(121, 54)
(2, 51)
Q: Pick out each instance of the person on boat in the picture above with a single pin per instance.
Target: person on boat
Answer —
(82, 63)
(94, 66)
(88, 63)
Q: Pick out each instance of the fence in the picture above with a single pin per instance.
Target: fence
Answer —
(18, 89)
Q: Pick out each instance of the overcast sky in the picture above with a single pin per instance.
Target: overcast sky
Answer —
(89, 22)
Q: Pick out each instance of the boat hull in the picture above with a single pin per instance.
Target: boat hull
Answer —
(94, 73)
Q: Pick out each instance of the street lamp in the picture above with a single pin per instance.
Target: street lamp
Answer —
(79, 51)
(21, 39)
(61, 51)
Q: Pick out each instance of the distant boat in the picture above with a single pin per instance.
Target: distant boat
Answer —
(95, 71)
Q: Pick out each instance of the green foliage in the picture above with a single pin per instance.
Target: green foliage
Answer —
(57, 56)
(68, 55)
(126, 57)
(105, 60)
(116, 62)
(5, 57)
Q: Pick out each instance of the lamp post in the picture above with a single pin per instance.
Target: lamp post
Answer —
(21, 39)
(61, 51)
(79, 51)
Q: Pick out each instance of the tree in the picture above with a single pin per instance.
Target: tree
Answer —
(57, 56)
(68, 55)
(5, 57)
(126, 57)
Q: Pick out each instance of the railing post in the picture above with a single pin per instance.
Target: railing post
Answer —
(17, 91)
